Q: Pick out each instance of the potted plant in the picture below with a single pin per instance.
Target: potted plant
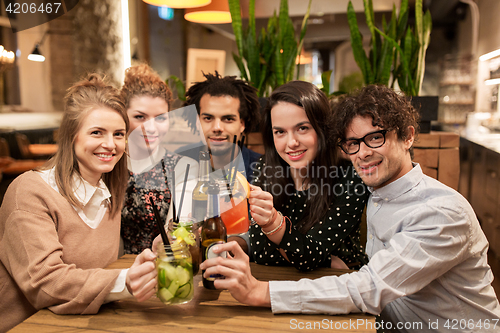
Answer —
(267, 60)
(397, 54)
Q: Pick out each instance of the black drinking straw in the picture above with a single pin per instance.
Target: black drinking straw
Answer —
(182, 193)
(161, 226)
(172, 190)
(228, 187)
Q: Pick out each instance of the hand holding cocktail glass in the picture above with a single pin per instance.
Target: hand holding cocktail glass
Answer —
(261, 205)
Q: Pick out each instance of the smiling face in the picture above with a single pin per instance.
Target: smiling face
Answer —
(220, 121)
(378, 167)
(99, 143)
(295, 139)
(148, 124)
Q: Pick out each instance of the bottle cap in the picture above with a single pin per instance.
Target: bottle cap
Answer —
(213, 188)
(204, 155)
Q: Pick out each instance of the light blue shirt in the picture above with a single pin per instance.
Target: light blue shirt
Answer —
(428, 265)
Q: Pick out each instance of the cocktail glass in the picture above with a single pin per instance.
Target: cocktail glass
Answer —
(175, 274)
(234, 205)
(188, 231)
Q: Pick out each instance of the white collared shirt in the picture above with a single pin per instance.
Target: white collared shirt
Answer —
(95, 201)
(428, 264)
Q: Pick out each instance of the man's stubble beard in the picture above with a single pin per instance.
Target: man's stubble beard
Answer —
(221, 151)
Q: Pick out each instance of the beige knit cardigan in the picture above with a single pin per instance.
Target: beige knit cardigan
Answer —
(49, 257)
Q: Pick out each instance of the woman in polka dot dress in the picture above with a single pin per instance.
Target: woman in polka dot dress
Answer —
(147, 99)
(306, 201)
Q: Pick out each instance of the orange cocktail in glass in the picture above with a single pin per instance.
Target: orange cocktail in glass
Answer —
(234, 207)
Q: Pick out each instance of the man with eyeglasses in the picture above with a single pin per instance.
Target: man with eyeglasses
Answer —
(428, 255)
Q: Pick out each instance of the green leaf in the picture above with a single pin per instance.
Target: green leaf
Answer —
(387, 54)
(251, 18)
(283, 14)
(357, 45)
(424, 43)
(179, 86)
(241, 66)
(370, 21)
(403, 61)
(325, 80)
(280, 80)
(289, 47)
(235, 10)
(402, 20)
(407, 46)
(418, 21)
(252, 54)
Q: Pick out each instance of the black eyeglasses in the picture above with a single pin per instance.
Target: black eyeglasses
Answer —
(372, 140)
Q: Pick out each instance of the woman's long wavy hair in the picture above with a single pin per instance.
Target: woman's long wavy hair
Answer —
(82, 98)
(316, 106)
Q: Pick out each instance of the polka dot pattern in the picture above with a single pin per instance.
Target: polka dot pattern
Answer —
(337, 233)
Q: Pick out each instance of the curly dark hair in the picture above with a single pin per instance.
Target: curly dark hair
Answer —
(388, 109)
(215, 85)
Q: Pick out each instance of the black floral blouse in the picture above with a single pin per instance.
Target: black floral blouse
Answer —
(337, 233)
(139, 228)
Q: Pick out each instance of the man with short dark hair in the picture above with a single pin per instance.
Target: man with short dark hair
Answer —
(428, 255)
(226, 107)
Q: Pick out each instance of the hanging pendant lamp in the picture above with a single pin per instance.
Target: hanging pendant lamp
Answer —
(178, 3)
(216, 12)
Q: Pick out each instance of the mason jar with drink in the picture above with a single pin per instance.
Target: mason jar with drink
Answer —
(175, 273)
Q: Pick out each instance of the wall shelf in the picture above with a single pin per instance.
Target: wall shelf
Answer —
(456, 89)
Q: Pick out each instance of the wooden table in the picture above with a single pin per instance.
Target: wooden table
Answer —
(209, 311)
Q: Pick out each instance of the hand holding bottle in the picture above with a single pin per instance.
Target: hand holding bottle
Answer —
(213, 232)
(238, 276)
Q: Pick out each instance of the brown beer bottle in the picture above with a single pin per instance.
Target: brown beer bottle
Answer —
(213, 232)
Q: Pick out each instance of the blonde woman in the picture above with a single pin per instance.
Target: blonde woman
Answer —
(59, 227)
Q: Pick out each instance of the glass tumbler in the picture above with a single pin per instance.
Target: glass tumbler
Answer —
(175, 274)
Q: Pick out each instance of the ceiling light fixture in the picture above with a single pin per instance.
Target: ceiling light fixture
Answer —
(216, 12)
(178, 3)
(36, 55)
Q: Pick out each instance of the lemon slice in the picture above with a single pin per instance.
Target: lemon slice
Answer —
(243, 182)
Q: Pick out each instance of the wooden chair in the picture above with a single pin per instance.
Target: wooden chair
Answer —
(4, 148)
(34, 151)
(13, 167)
(23, 143)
